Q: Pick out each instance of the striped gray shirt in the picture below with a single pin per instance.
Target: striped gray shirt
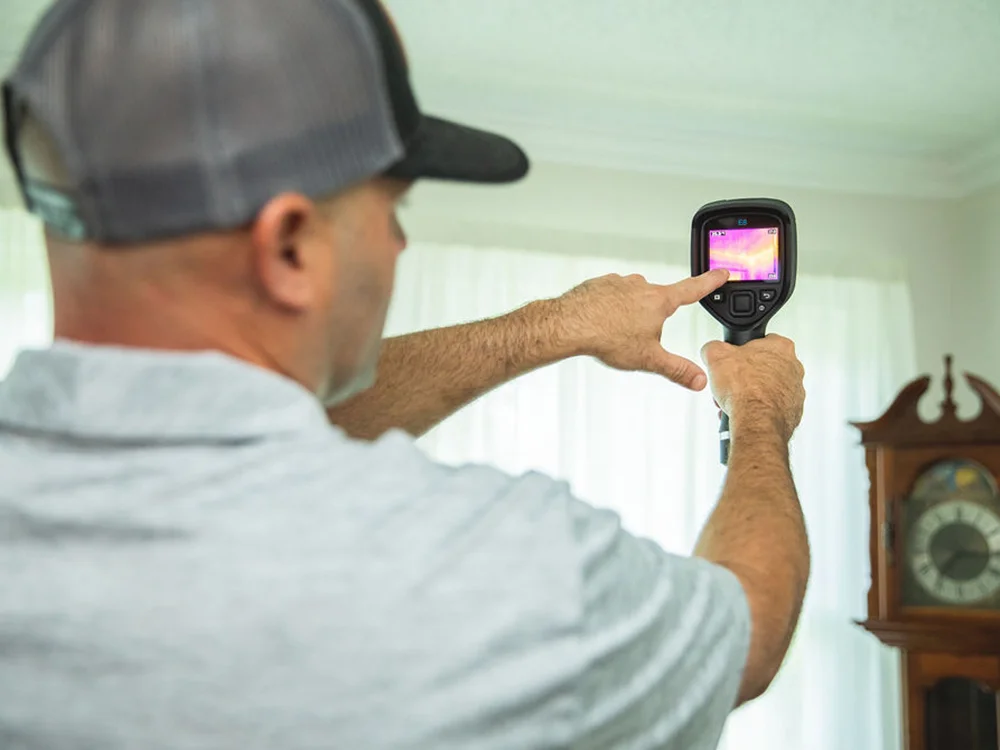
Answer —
(192, 558)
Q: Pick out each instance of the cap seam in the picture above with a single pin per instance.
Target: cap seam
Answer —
(374, 48)
(231, 193)
(201, 116)
(91, 197)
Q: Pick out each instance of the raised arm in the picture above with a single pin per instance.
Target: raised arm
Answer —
(425, 377)
(757, 529)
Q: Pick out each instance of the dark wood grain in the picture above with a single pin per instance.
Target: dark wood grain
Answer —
(951, 655)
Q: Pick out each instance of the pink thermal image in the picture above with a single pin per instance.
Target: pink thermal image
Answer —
(748, 254)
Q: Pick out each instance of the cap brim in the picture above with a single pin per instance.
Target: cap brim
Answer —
(443, 150)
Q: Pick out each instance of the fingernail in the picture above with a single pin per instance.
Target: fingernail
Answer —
(699, 382)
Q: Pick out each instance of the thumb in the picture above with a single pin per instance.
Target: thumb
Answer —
(677, 369)
(713, 350)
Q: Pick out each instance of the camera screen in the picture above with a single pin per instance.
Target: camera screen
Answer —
(749, 254)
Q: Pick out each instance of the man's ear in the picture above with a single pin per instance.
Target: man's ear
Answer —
(285, 238)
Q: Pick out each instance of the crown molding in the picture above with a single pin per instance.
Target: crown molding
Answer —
(687, 139)
(745, 159)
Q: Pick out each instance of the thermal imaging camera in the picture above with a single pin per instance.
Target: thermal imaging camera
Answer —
(754, 239)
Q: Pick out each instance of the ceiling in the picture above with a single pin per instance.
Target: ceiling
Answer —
(895, 96)
(890, 96)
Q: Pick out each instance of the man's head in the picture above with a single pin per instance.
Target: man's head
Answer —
(225, 175)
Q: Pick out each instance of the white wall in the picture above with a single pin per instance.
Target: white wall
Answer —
(574, 209)
(990, 215)
(979, 278)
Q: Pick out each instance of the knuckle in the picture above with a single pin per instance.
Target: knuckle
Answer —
(712, 349)
(679, 371)
(673, 373)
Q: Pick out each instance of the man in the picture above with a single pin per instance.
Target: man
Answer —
(192, 556)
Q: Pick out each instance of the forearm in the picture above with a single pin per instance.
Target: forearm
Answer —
(758, 532)
(425, 377)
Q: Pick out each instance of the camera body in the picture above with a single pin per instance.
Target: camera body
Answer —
(754, 239)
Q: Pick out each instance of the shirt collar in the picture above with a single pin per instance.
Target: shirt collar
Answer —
(138, 395)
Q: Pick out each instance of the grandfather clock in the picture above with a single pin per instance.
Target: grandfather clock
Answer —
(935, 562)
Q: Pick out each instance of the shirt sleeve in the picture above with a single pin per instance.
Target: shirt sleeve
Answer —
(665, 641)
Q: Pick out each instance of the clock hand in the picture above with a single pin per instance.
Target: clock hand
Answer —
(949, 562)
(959, 554)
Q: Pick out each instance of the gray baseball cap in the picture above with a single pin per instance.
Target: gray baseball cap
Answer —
(176, 116)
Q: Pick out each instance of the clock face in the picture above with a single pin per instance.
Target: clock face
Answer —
(952, 546)
(955, 552)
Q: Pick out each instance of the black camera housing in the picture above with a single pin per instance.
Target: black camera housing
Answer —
(744, 307)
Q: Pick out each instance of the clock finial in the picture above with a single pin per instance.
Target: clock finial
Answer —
(901, 424)
(948, 406)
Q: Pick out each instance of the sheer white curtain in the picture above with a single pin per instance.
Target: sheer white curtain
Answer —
(649, 450)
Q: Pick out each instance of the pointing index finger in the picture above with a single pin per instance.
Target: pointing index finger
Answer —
(695, 288)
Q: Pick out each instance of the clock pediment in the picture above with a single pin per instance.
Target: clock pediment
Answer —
(901, 424)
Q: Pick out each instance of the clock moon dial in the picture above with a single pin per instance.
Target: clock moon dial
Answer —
(954, 551)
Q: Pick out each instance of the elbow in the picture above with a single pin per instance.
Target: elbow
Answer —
(775, 607)
(755, 684)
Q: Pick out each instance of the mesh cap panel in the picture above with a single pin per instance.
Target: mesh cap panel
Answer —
(180, 115)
